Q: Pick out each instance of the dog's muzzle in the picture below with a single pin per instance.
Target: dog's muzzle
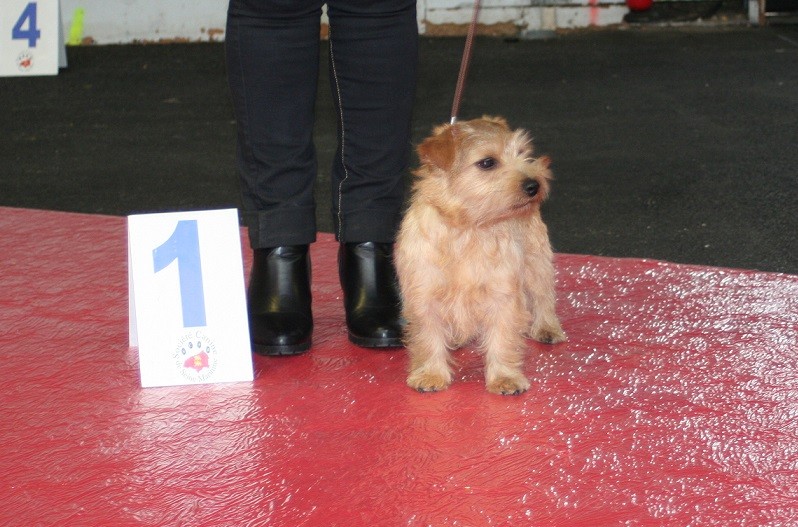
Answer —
(531, 187)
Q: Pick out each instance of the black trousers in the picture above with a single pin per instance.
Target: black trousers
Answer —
(273, 50)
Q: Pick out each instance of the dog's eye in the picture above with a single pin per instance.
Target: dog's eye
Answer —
(487, 163)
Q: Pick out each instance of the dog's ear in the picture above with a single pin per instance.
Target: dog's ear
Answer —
(438, 150)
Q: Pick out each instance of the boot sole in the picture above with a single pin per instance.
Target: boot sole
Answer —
(281, 351)
(371, 342)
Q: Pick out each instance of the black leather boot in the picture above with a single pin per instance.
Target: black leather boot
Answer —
(371, 294)
(278, 298)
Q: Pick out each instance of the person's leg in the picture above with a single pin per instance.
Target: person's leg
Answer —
(373, 70)
(272, 50)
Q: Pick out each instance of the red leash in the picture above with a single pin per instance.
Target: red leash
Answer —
(458, 92)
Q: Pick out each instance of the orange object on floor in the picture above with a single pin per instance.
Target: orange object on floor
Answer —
(674, 402)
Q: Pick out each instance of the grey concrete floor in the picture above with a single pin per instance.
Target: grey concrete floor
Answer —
(677, 143)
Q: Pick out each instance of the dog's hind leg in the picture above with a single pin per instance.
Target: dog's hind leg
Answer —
(539, 285)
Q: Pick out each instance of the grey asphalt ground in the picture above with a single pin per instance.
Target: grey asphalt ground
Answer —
(670, 143)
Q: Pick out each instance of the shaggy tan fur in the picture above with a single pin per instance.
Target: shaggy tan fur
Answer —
(473, 255)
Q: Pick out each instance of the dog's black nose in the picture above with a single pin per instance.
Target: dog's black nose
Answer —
(531, 187)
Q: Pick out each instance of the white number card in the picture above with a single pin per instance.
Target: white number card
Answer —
(31, 38)
(187, 304)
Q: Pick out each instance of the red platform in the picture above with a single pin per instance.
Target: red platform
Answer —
(675, 402)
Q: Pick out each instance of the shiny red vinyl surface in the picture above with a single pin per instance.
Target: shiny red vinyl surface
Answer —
(674, 402)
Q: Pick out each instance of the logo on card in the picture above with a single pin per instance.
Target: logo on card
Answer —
(195, 356)
(25, 61)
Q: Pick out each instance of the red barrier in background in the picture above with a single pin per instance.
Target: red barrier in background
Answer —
(674, 402)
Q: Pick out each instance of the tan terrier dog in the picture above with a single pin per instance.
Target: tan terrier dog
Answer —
(473, 255)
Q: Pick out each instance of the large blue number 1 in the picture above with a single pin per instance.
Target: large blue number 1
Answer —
(183, 246)
(32, 34)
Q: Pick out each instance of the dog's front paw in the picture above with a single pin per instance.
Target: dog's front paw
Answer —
(510, 385)
(427, 381)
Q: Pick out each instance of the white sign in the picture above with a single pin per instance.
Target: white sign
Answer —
(187, 304)
(31, 38)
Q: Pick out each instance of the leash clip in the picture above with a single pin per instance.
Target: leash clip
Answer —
(458, 92)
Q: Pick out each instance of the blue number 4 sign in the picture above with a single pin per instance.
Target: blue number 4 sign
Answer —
(25, 28)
